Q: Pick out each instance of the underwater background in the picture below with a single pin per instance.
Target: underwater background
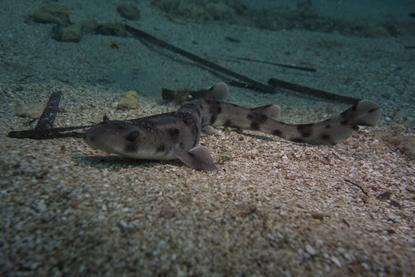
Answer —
(275, 207)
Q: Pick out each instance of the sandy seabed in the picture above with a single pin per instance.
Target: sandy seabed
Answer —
(273, 207)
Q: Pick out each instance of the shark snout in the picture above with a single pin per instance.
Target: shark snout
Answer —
(90, 137)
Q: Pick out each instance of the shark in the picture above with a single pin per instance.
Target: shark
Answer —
(176, 135)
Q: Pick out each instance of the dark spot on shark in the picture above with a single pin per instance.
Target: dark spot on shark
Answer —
(327, 138)
(344, 122)
(188, 119)
(254, 125)
(277, 132)
(132, 136)
(187, 116)
(299, 140)
(355, 127)
(305, 130)
(373, 110)
(214, 108)
(257, 119)
(328, 126)
(161, 148)
(213, 118)
(174, 134)
(228, 123)
(261, 118)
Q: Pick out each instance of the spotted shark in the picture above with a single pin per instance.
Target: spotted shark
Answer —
(176, 135)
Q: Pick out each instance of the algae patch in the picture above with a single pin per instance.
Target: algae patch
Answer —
(52, 13)
(71, 33)
(128, 101)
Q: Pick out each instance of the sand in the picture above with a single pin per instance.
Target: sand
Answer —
(273, 207)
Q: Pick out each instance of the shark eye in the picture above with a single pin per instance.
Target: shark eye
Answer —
(132, 136)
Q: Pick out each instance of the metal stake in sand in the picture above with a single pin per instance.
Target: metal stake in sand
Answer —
(49, 113)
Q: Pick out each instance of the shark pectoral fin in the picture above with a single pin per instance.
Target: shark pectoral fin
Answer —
(197, 158)
(271, 111)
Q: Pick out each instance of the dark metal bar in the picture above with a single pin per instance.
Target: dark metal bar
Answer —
(49, 113)
(303, 68)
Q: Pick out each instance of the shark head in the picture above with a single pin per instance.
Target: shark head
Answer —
(117, 137)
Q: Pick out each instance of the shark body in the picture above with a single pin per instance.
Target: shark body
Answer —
(176, 135)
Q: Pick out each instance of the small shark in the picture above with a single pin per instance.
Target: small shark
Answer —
(176, 135)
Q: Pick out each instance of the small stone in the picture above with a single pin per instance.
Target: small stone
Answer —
(123, 225)
(366, 266)
(128, 101)
(71, 33)
(336, 261)
(128, 11)
(168, 212)
(310, 250)
(41, 206)
(246, 209)
(384, 195)
(318, 216)
(51, 13)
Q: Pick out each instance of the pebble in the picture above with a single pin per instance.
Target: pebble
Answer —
(336, 261)
(41, 206)
(123, 225)
(71, 33)
(168, 212)
(310, 250)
